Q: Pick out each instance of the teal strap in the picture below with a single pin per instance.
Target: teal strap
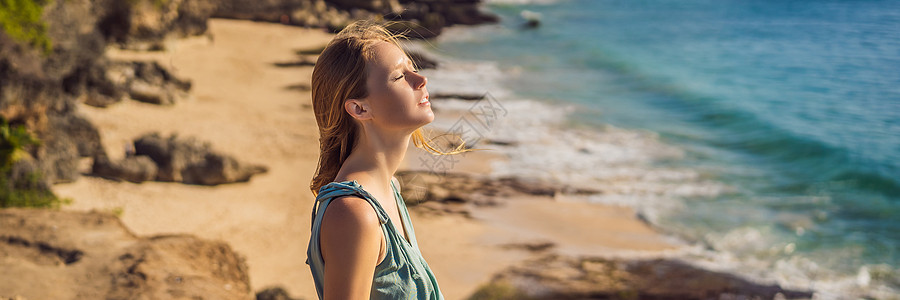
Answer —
(334, 190)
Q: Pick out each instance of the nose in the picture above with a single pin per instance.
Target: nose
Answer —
(420, 81)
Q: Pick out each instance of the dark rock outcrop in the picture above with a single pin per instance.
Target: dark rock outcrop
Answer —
(31, 96)
(423, 186)
(75, 255)
(191, 161)
(419, 19)
(274, 293)
(39, 88)
(135, 169)
(562, 277)
(81, 130)
(149, 82)
(370, 5)
(457, 193)
(107, 83)
(91, 84)
(146, 24)
(450, 12)
(308, 13)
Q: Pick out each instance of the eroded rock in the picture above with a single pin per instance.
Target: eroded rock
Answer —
(148, 82)
(146, 24)
(419, 19)
(135, 169)
(274, 293)
(41, 86)
(457, 193)
(49, 254)
(191, 161)
(424, 186)
(563, 277)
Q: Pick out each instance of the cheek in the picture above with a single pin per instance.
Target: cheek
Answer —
(396, 107)
(392, 100)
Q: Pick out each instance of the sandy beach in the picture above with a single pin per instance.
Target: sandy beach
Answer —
(245, 106)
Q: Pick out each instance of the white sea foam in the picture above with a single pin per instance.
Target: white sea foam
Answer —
(749, 252)
(620, 163)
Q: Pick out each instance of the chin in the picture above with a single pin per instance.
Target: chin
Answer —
(425, 121)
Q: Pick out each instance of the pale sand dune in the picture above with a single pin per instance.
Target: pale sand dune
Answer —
(239, 103)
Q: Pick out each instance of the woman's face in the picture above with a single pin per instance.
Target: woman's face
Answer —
(397, 96)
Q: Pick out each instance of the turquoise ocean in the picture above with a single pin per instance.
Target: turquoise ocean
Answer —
(767, 132)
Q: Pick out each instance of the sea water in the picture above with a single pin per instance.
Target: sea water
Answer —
(766, 131)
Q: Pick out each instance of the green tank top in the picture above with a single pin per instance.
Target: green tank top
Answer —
(403, 274)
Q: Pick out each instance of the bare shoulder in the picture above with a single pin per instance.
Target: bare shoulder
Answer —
(351, 243)
(351, 212)
(350, 229)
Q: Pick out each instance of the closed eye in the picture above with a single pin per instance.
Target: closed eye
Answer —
(401, 76)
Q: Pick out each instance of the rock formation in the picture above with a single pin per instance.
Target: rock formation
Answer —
(459, 193)
(421, 19)
(274, 293)
(424, 186)
(562, 277)
(61, 62)
(73, 255)
(148, 82)
(175, 159)
(135, 169)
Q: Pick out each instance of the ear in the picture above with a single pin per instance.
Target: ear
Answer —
(358, 109)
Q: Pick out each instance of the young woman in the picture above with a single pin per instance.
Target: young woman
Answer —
(369, 101)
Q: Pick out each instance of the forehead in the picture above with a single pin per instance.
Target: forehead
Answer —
(386, 56)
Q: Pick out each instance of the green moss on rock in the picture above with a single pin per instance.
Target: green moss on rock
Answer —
(21, 20)
(21, 185)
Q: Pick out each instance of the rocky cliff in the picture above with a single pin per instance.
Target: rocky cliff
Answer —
(59, 61)
(420, 19)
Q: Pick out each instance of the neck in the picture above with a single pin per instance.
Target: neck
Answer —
(376, 157)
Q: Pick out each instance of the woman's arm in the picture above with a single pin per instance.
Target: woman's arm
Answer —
(350, 239)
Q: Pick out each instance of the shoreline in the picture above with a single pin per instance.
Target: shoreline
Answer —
(779, 198)
(242, 105)
(628, 176)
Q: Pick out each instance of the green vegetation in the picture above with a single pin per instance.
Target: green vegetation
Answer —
(12, 144)
(117, 211)
(21, 20)
(23, 188)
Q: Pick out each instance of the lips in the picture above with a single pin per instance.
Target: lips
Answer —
(424, 101)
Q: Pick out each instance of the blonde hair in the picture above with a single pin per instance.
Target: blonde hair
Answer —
(339, 75)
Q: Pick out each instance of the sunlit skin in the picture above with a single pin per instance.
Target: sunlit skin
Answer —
(351, 239)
